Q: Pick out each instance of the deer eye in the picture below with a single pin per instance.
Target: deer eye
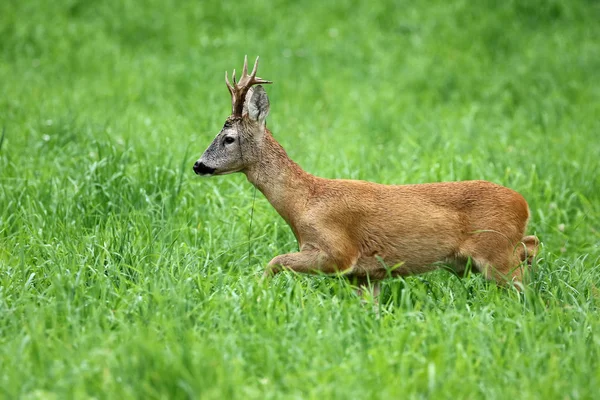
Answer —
(229, 140)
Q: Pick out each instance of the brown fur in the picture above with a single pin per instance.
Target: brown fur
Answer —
(365, 229)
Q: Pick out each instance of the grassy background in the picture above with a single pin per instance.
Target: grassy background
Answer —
(123, 275)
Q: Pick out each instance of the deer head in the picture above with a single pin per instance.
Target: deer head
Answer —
(238, 144)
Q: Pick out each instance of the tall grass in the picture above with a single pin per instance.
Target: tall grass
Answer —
(122, 275)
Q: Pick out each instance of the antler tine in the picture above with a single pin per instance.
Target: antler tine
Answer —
(253, 75)
(245, 70)
(261, 80)
(228, 84)
(233, 77)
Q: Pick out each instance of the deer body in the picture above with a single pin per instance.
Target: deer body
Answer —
(365, 230)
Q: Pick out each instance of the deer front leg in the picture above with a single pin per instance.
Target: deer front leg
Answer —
(307, 261)
(364, 285)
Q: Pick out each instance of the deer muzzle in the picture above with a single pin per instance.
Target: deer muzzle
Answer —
(202, 169)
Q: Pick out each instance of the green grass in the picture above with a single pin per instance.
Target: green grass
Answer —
(123, 275)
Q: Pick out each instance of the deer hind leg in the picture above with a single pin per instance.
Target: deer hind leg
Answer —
(528, 248)
(496, 260)
(307, 261)
(512, 264)
(503, 268)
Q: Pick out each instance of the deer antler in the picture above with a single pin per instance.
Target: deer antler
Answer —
(239, 90)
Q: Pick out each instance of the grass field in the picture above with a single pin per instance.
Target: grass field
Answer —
(123, 275)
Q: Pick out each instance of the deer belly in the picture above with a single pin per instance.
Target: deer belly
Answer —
(406, 255)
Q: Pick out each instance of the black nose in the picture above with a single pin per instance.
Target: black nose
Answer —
(201, 169)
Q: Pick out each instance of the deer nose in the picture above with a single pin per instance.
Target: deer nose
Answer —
(201, 169)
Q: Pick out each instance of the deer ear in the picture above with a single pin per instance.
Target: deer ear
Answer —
(247, 100)
(258, 105)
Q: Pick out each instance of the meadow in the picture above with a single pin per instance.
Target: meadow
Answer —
(123, 275)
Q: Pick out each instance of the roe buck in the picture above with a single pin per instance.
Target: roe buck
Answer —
(369, 231)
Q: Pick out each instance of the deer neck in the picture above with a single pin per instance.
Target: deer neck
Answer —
(281, 181)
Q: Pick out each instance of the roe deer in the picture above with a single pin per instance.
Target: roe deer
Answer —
(369, 231)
